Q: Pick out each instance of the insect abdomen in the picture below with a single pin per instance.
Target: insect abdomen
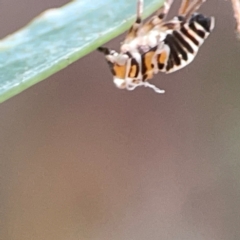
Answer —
(184, 43)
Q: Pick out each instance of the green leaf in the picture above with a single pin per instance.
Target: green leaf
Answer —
(61, 36)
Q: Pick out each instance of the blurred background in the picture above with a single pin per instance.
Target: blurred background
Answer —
(81, 159)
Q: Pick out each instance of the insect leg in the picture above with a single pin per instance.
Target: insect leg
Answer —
(132, 33)
(162, 12)
(158, 18)
(183, 7)
(191, 8)
(187, 8)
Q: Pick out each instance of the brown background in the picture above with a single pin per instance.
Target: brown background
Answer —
(81, 159)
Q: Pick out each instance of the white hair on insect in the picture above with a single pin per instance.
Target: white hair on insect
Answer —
(130, 86)
(126, 83)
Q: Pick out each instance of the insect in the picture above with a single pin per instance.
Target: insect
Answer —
(158, 45)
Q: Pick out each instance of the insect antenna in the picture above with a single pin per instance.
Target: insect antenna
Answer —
(104, 50)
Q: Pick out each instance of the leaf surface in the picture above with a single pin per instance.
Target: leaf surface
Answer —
(58, 37)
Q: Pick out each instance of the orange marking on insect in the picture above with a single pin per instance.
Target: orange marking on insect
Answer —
(148, 64)
(133, 71)
(120, 71)
(162, 57)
